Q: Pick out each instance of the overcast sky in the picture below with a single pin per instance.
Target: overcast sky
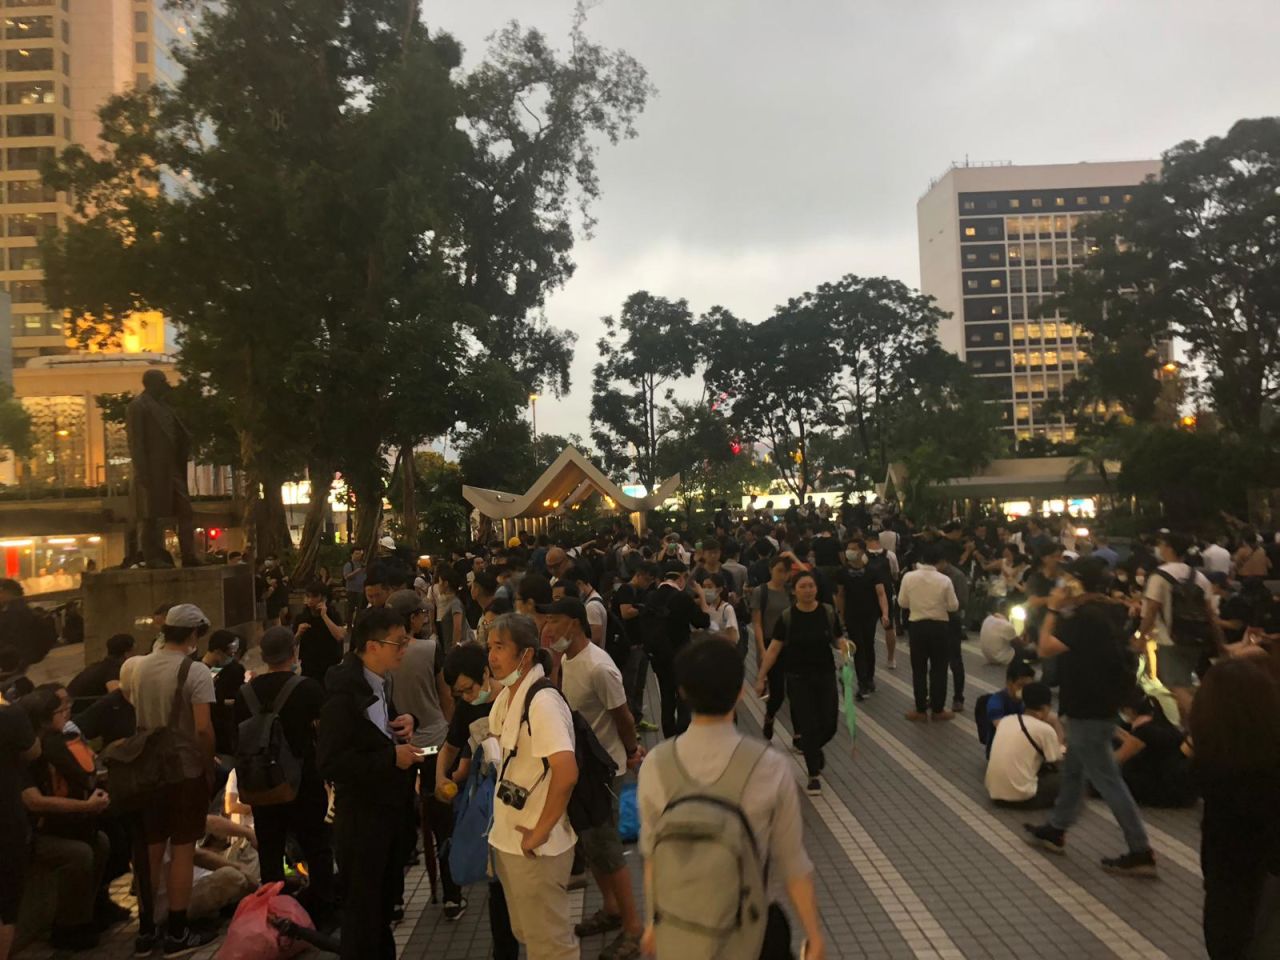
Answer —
(789, 142)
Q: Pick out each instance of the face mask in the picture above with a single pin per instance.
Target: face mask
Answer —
(512, 678)
(710, 596)
(296, 668)
(481, 697)
(560, 644)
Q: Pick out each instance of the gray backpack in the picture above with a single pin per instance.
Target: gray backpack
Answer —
(708, 874)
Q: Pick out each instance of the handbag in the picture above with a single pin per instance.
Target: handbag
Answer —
(150, 760)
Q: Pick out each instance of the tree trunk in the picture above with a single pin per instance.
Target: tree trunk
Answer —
(368, 514)
(249, 494)
(408, 503)
(272, 523)
(309, 547)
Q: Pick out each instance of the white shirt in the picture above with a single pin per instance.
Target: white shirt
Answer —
(549, 731)
(597, 614)
(593, 686)
(928, 594)
(1217, 559)
(1014, 765)
(723, 618)
(889, 540)
(377, 711)
(1161, 590)
(996, 639)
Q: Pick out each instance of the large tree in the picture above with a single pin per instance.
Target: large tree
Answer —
(344, 226)
(1195, 256)
(645, 352)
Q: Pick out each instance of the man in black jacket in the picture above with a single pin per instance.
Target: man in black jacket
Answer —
(678, 613)
(363, 749)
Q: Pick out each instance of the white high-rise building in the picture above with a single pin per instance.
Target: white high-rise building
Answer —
(994, 239)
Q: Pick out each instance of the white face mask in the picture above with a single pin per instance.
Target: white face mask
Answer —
(710, 596)
(512, 678)
(560, 644)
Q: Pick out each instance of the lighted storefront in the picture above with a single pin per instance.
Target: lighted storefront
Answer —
(51, 564)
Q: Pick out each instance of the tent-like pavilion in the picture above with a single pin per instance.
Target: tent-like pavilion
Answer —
(571, 479)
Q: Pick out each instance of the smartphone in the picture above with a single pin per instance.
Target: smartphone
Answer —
(425, 751)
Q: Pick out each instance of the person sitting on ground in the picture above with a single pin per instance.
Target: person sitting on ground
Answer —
(1154, 756)
(99, 679)
(1027, 745)
(998, 638)
(1008, 701)
(63, 801)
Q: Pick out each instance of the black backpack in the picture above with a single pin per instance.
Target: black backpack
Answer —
(267, 772)
(985, 728)
(591, 803)
(1191, 621)
(653, 623)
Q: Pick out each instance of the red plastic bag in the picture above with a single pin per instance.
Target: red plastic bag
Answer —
(251, 936)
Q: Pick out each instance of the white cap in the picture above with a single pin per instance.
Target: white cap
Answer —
(185, 615)
(387, 542)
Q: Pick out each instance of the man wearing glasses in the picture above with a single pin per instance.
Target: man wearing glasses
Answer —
(364, 750)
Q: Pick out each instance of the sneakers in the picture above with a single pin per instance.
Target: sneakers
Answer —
(598, 922)
(188, 942)
(1046, 837)
(144, 944)
(767, 730)
(1132, 865)
(893, 663)
(625, 947)
(860, 695)
(647, 726)
(814, 787)
(454, 909)
(915, 716)
(957, 705)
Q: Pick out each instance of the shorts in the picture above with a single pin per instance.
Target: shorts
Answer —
(176, 813)
(12, 874)
(602, 846)
(1177, 666)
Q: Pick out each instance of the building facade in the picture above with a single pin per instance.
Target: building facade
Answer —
(994, 240)
(61, 59)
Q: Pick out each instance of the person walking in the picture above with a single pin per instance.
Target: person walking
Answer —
(675, 614)
(862, 597)
(928, 599)
(363, 750)
(1083, 627)
(809, 631)
(768, 601)
(955, 629)
(304, 815)
(531, 838)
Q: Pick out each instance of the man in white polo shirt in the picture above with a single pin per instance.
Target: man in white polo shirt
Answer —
(1023, 744)
(929, 599)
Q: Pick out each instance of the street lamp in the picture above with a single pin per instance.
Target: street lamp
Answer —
(533, 416)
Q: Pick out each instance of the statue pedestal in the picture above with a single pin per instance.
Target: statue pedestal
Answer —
(115, 599)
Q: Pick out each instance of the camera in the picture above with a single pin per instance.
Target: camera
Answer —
(513, 795)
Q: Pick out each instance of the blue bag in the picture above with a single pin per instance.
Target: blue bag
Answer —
(628, 814)
(472, 818)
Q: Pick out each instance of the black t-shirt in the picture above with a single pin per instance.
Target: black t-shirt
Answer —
(826, 551)
(1095, 667)
(318, 649)
(92, 680)
(464, 715)
(860, 600)
(16, 738)
(298, 717)
(630, 595)
(1159, 775)
(75, 783)
(808, 642)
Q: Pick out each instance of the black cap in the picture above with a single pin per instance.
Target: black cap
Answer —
(568, 607)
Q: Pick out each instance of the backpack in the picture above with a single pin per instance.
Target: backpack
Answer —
(653, 624)
(985, 728)
(468, 846)
(591, 803)
(266, 769)
(1191, 623)
(708, 872)
(146, 762)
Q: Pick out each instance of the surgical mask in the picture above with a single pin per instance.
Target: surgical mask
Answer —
(482, 697)
(512, 678)
(560, 644)
(710, 596)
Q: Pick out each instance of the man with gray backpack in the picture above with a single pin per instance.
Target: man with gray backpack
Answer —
(721, 830)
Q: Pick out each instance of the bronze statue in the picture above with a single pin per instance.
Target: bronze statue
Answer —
(159, 446)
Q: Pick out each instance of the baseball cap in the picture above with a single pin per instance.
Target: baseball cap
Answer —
(568, 607)
(276, 646)
(185, 615)
(387, 542)
(404, 602)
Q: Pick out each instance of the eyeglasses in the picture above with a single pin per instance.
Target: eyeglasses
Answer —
(394, 643)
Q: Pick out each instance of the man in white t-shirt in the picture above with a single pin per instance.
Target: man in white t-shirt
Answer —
(592, 684)
(997, 638)
(1022, 745)
(1217, 558)
(1176, 664)
(531, 837)
(597, 612)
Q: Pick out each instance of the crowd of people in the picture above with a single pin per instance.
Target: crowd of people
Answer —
(403, 695)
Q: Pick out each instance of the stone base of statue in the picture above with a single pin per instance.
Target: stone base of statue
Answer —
(115, 600)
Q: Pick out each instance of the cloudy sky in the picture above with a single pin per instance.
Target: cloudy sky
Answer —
(789, 141)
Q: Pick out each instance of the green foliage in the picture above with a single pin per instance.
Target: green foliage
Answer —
(505, 457)
(697, 443)
(654, 343)
(15, 424)
(442, 520)
(1195, 256)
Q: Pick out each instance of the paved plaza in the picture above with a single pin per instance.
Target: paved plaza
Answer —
(913, 862)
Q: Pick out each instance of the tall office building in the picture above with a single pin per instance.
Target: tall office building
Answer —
(993, 241)
(62, 59)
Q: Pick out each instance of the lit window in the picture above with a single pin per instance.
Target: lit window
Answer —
(970, 231)
(996, 283)
(1051, 358)
(970, 258)
(998, 336)
(1082, 201)
(1015, 204)
(1127, 198)
(993, 256)
(1105, 200)
(1019, 332)
(1019, 359)
(1033, 331)
(1059, 201)
(998, 310)
(1037, 202)
(971, 284)
(1050, 331)
(1015, 253)
(1066, 331)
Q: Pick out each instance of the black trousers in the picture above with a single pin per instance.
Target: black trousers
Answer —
(777, 691)
(505, 944)
(930, 655)
(634, 675)
(814, 714)
(955, 638)
(777, 936)
(369, 842)
(436, 820)
(675, 712)
(1233, 893)
(304, 818)
(862, 630)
